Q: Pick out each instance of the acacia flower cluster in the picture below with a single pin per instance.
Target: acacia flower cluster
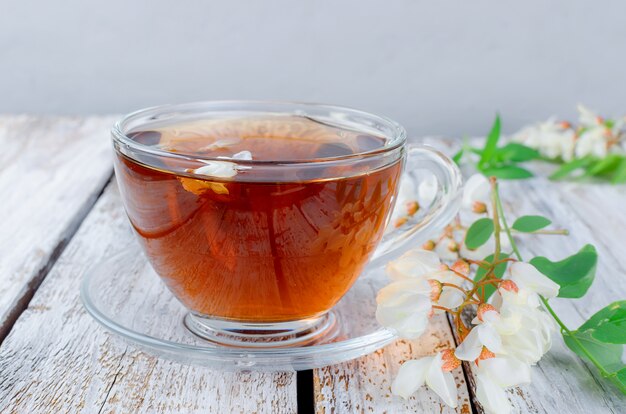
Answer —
(511, 330)
(476, 266)
(593, 136)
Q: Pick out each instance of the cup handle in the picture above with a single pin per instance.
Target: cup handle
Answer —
(438, 206)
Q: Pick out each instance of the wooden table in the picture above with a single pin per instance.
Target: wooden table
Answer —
(61, 212)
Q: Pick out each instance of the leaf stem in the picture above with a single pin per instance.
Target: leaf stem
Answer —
(507, 229)
(496, 218)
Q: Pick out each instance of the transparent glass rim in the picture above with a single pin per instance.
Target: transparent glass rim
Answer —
(397, 138)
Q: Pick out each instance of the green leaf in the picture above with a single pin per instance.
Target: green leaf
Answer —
(516, 152)
(569, 167)
(507, 172)
(608, 324)
(574, 274)
(605, 165)
(457, 157)
(478, 233)
(607, 355)
(620, 173)
(528, 224)
(491, 144)
(498, 272)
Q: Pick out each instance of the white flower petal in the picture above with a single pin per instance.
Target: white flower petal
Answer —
(489, 337)
(411, 376)
(492, 397)
(442, 249)
(221, 169)
(470, 348)
(242, 155)
(413, 264)
(427, 190)
(442, 382)
(505, 372)
(450, 298)
(406, 193)
(405, 307)
(476, 189)
(528, 277)
(586, 116)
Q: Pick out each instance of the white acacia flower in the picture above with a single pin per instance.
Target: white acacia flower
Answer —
(526, 276)
(425, 265)
(406, 193)
(594, 141)
(587, 117)
(412, 264)
(493, 376)
(476, 193)
(427, 190)
(430, 371)
(447, 249)
(551, 138)
(519, 330)
(405, 307)
(526, 331)
(223, 169)
(485, 334)
(220, 169)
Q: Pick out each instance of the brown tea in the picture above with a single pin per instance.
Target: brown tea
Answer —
(261, 244)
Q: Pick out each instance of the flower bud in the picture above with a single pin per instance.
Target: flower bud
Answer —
(462, 267)
(450, 361)
(484, 308)
(509, 285)
(401, 222)
(453, 246)
(435, 289)
(479, 207)
(429, 245)
(412, 207)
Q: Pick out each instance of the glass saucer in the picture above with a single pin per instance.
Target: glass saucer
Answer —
(124, 294)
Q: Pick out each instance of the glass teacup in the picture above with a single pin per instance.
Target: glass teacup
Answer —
(259, 216)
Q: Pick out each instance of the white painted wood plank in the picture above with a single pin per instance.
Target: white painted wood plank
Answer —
(58, 359)
(364, 384)
(51, 171)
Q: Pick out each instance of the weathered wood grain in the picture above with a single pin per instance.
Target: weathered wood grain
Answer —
(58, 359)
(364, 384)
(52, 169)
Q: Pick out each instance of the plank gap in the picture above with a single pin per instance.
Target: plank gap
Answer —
(305, 392)
(469, 378)
(23, 301)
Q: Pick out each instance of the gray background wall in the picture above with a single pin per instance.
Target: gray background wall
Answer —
(438, 67)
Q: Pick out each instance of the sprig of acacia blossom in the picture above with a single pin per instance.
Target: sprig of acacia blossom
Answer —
(594, 148)
(479, 267)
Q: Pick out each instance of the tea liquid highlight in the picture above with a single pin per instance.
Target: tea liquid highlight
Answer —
(258, 250)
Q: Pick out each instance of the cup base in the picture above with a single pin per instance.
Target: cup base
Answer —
(321, 329)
